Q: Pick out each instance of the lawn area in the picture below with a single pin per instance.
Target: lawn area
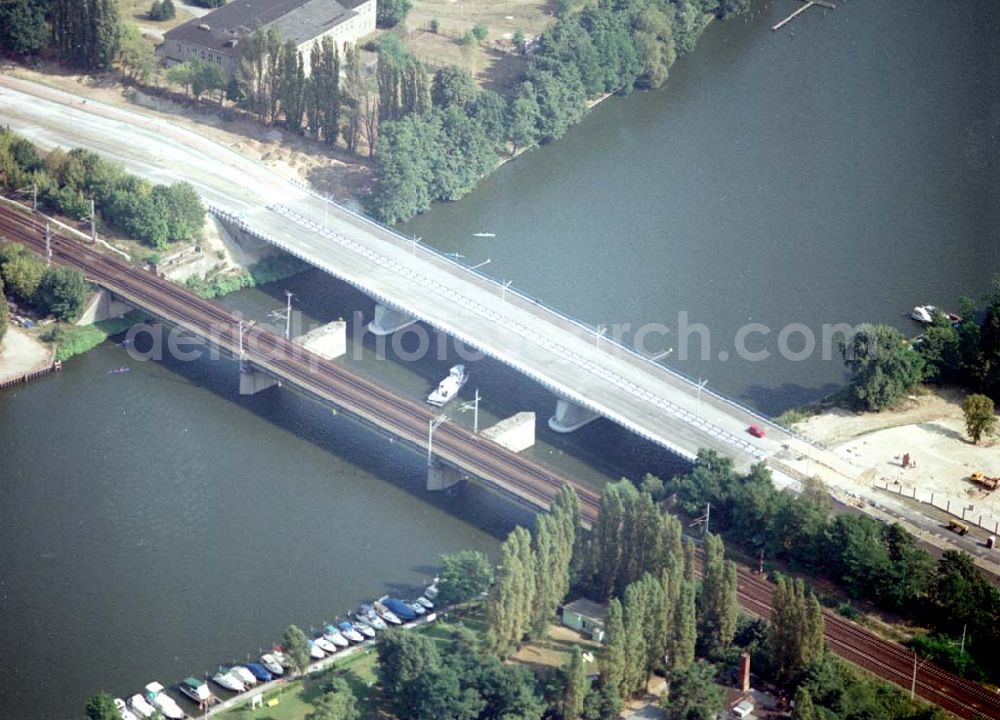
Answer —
(555, 649)
(492, 63)
(137, 11)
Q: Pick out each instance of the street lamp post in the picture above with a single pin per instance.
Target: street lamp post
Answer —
(479, 265)
(431, 427)
(288, 315)
(503, 290)
(701, 386)
(601, 330)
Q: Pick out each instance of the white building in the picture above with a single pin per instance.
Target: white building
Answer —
(217, 37)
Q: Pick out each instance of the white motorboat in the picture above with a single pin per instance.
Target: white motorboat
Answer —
(367, 630)
(315, 651)
(328, 646)
(246, 677)
(163, 702)
(386, 614)
(432, 590)
(197, 690)
(417, 608)
(140, 706)
(228, 681)
(923, 314)
(448, 388)
(348, 631)
(272, 664)
(123, 711)
(423, 601)
(367, 615)
(282, 659)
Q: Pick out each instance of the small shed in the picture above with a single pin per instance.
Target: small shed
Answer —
(585, 616)
(743, 710)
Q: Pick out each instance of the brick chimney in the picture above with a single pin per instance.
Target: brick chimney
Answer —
(744, 681)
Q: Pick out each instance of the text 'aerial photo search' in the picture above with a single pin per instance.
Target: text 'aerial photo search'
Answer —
(500, 359)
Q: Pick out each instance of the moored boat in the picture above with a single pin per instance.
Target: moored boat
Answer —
(157, 695)
(348, 631)
(246, 677)
(327, 645)
(367, 630)
(425, 603)
(260, 672)
(432, 590)
(227, 680)
(272, 663)
(367, 615)
(123, 711)
(315, 651)
(140, 706)
(448, 388)
(197, 690)
(416, 607)
(386, 613)
(400, 608)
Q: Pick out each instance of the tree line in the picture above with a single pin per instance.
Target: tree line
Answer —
(423, 151)
(47, 289)
(871, 560)
(156, 215)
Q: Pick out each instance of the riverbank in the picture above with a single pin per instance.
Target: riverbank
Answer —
(22, 353)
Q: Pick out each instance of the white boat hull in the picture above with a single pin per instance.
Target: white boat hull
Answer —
(228, 681)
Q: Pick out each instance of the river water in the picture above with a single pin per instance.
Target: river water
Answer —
(841, 170)
(154, 524)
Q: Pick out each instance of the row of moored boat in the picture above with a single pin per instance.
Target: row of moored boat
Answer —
(332, 638)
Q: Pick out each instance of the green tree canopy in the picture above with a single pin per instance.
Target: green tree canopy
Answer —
(884, 367)
(980, 416)
(24, 27)
(465, 575)
(61, 292)
(296, 647)
(101, 707)
(693, 693)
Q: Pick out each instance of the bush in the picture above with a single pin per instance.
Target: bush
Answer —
(480, 32)
(389, 13)
(61, 292)
(434, 25)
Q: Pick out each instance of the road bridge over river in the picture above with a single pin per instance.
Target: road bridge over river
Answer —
(589, 375)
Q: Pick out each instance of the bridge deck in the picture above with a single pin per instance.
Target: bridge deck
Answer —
(564, 356)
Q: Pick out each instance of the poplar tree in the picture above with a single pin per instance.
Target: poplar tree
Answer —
(796, 630)
(613, 656)
(690, 560)
(324, 97)
(354, 89)
(576, 686)
(718, 611)
(546, 568)
(292, 86)
(685, 629)
(803, 705)
(566, 511)
(634, 612)
(512, 598)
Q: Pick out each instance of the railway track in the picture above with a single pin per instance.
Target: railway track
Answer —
(495, 464)
(407, 419)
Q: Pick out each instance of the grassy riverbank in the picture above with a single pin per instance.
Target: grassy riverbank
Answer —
(76, 339)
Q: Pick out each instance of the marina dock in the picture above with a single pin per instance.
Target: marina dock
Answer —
(808, 4)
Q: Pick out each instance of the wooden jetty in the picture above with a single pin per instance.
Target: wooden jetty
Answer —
(808, 4)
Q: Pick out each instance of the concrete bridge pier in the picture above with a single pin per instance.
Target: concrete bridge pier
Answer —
(103, 305)
(254, 381)
(570, 416)
(442, 477)
(388, 320)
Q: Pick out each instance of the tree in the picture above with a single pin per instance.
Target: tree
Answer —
(292, 86)
(22, 275)
(575, 686)
(613, 654)
(323, 96)
(23, 26)
(693, 694)
(796, 636)
(185, 213)
(389, 13)
(452, 86)
(719, 609)
(338, 703)
(465, 575)
(137, 57)
(480, 32)
(803, 705)
(511, 601)
(403, 658)
(685, 628)
(87, 33)
(295, 645)
(884, 368)
(980, 418)
(101, 707)
(61, 292)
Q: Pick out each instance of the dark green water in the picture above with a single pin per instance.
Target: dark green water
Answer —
(154, 524)
(841, 170)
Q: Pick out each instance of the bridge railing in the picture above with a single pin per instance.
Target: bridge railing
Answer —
(592, 331)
